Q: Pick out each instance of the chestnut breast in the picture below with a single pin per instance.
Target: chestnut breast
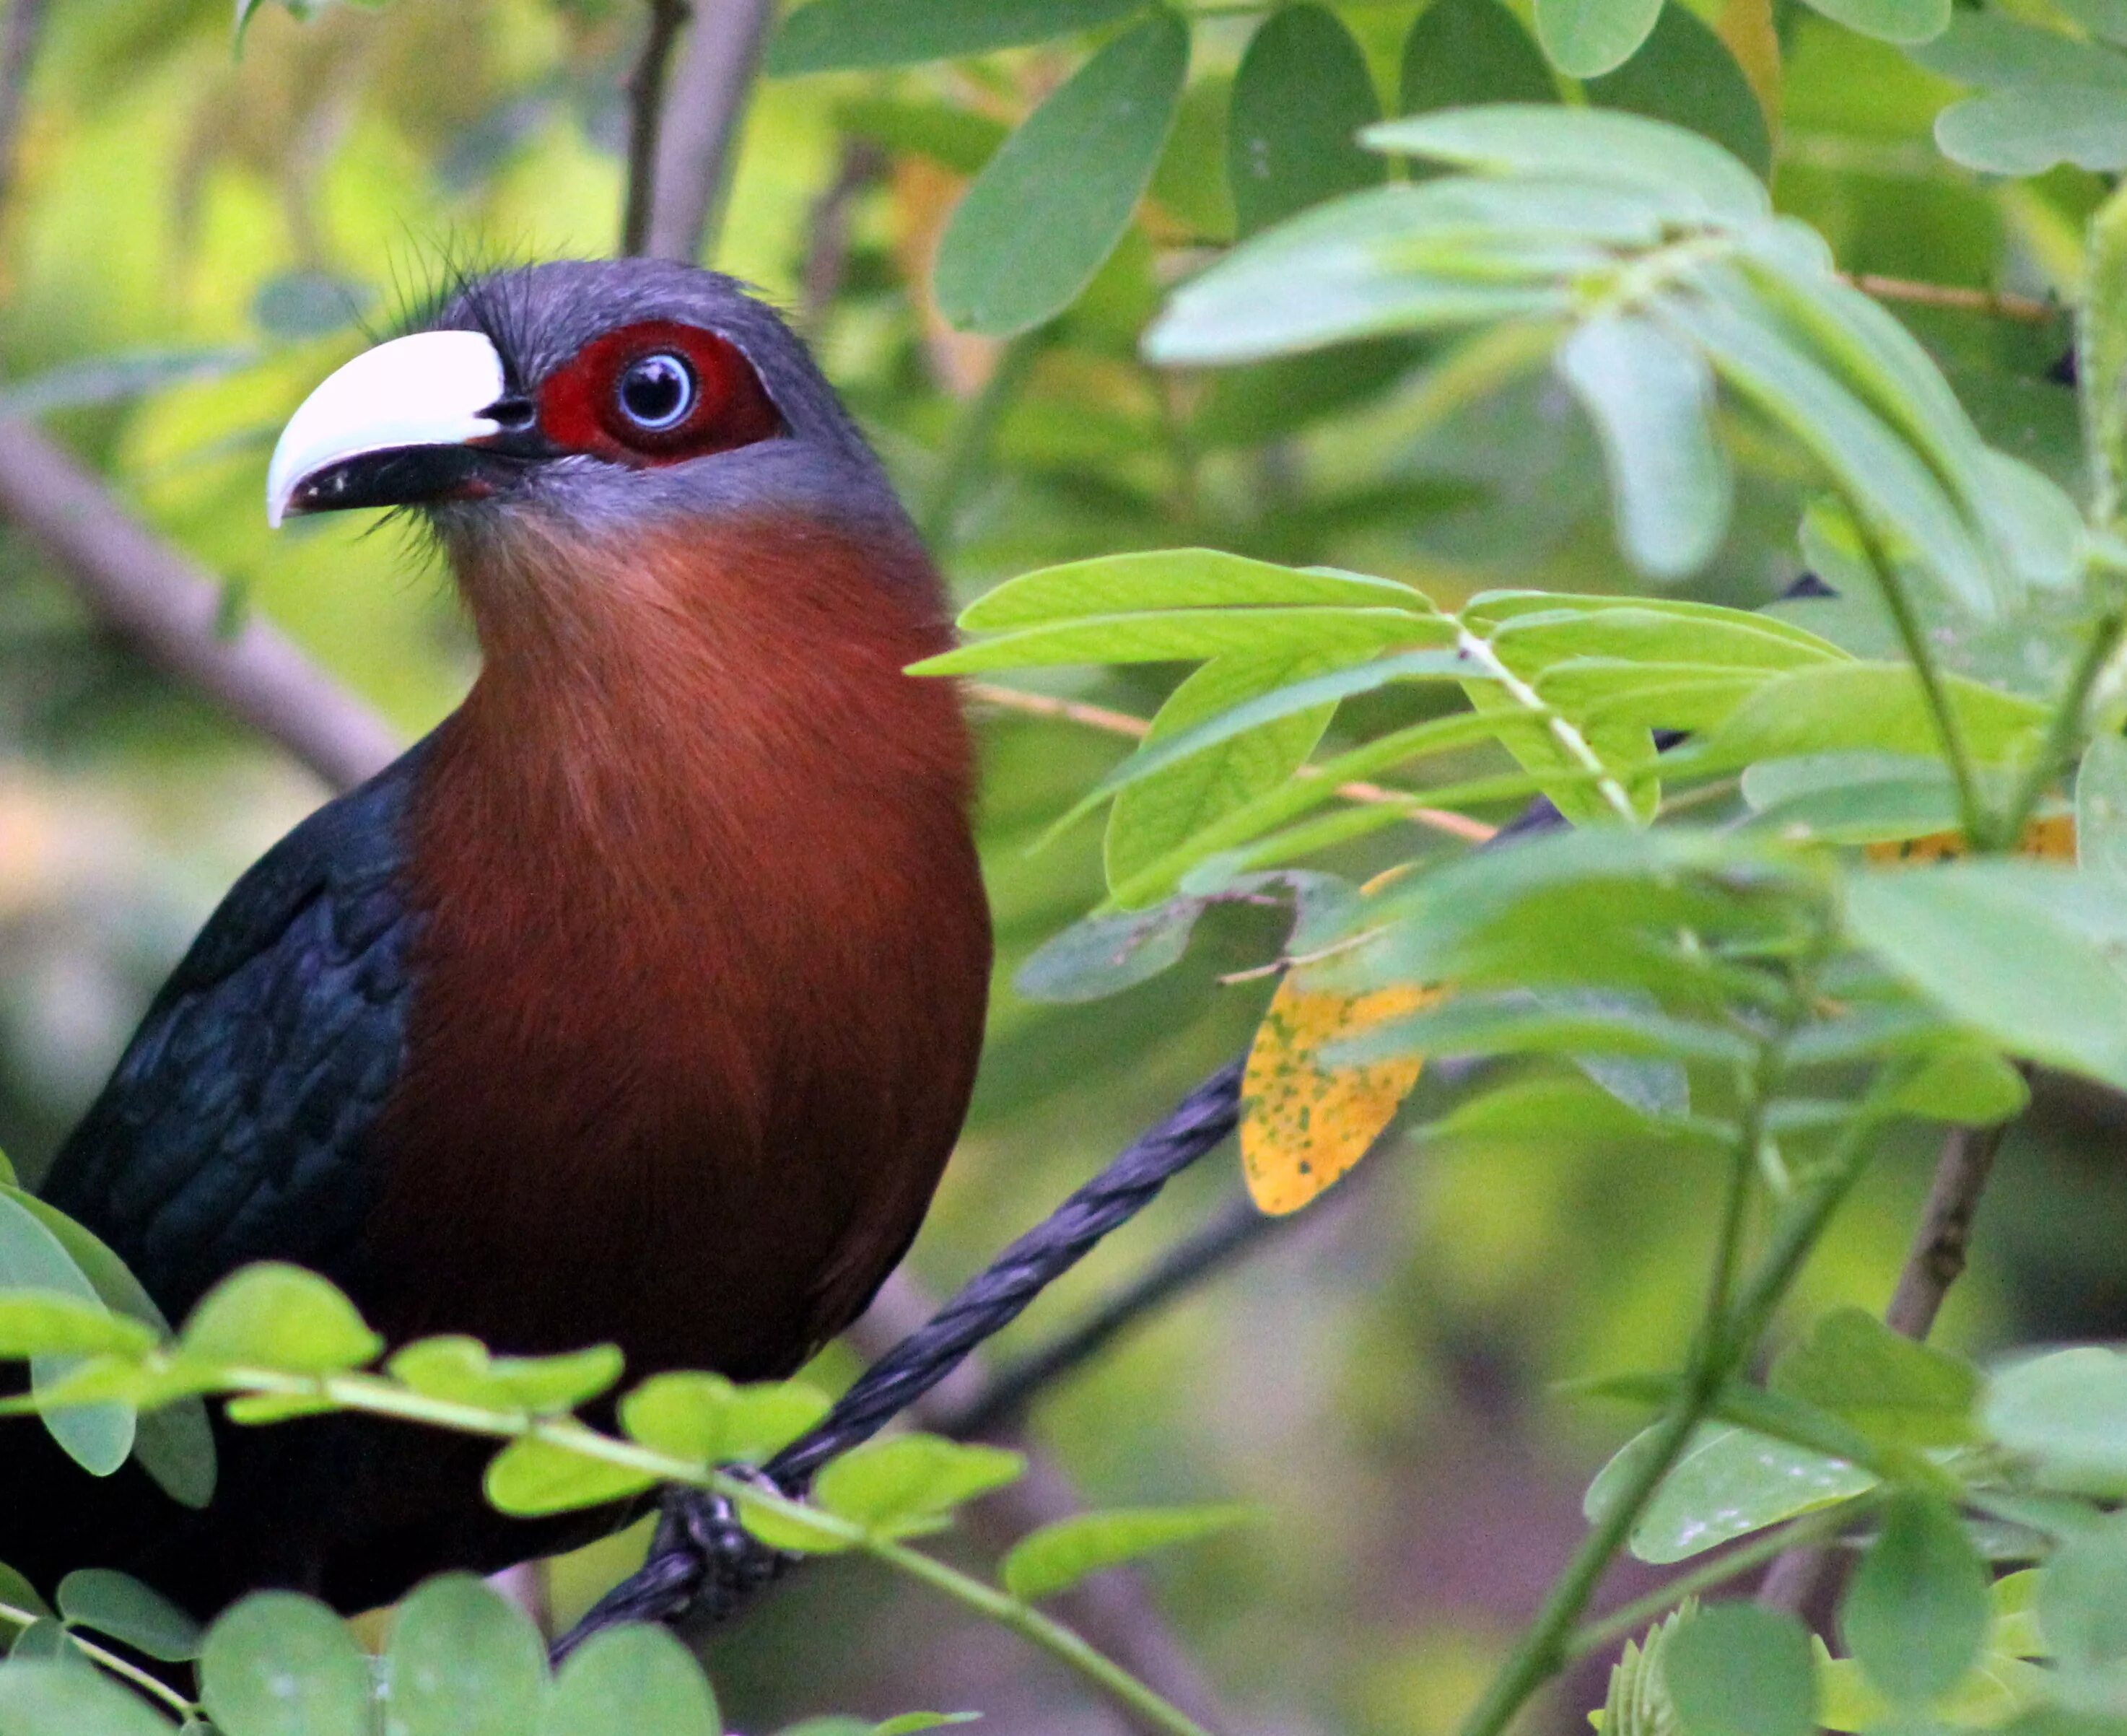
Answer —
(704, 955)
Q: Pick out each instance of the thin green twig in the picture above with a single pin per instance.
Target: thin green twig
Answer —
(379, 1396)
(2063, 730)
(1812, 1529)
(1949, 729)
(110, 1661)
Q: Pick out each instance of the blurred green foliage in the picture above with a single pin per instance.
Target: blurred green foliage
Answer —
(194, 237)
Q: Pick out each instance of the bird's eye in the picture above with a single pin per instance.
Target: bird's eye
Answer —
(656, 391)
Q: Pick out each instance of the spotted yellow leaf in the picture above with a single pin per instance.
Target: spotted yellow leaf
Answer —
(1303, 1123)
(2049, 840)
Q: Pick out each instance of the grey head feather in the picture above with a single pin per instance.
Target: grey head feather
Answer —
(539, 316)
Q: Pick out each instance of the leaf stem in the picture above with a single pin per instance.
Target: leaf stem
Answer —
(380, 1396)
(1545, 1649)
(1030, 1624)
(1972, 812)
(110, 1661)
(2064, 729)
(1478, 650)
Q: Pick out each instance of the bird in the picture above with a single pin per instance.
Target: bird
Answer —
(639, 1003)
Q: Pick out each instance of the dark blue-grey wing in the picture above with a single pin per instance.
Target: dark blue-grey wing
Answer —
(235, 1126)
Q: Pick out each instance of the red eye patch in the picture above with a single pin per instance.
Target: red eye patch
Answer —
(657, 393)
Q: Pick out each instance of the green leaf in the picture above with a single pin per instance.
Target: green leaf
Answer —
(632, 1681)
(1586, 38)
(1176, 578)
(119, 1605)
(1730, 1481)
(782, 1528)
(464, 1660)
(51, 1323)
(1877, 708)
(1966, 1082)
(1302, 95)
(1917, 1611)
(1520, 1022)
(1692, 179)
(1685, 74)
(911, 1483)
(282, 1317)
(1167, 636)
(2100, 808)
(1105, 955)
(1053, 201)
(1461, 52)
(1651, 400)
(2067, 1412)
(2083, 1611)
(1890, 21)
(57, 1699)
(2027, 131)
(834, 35)
(1637, 1702)
(530, 1477)
(2100, 348)
(174, 1442)
(1159, 811)
(461, 1370)
(2000, 947)
(281, 1665)
(1737, 1670)
(17, 1593)
(98, 1437)
(1870, 461)
(1058, 1556)
(705, 1418)
(1355, 268)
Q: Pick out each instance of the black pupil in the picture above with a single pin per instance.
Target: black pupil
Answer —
(657, 391)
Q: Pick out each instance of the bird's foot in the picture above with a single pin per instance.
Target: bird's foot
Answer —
(702, 1563)
(730, 1564)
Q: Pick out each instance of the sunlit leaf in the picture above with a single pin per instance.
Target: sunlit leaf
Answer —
(706, 1418)
(97, 1436)
(911, 1483)
(1058, 1556)
(461, 1370)
(281, 1317)
(531, 1477)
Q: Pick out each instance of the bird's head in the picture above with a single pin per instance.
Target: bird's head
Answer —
(573, 399)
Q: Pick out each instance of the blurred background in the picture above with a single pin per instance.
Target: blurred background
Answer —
(191, 238)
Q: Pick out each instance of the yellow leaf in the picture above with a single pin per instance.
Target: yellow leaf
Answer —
(1304, 1124)
(2049, 840)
